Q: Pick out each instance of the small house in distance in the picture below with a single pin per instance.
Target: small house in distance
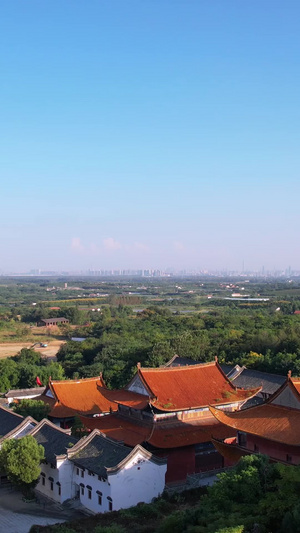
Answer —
(23, 394)
(52, 322)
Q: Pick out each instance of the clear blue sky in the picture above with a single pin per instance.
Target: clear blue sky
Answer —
(149, 133)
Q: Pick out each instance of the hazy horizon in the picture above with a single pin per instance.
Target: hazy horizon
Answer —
(150, 135)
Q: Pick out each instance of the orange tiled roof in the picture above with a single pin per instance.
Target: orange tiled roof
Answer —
(191, 387)
(268, 421)
(126, 397)
(187, 434)
(231, 452)
(296, 383)
(87, 396)
(118, 428)
(160, 436)
(77, 396)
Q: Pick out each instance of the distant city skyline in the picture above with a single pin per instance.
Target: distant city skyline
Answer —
(150, 135)
(287, 273)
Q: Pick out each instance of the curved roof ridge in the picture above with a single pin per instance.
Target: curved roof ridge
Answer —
(177, 368)
(78, 380)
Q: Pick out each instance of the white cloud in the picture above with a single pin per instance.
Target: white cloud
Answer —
(111, 244)
(178, 246)
(141, 246)
(76, 245)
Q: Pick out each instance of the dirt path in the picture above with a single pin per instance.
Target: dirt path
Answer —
(8, 349)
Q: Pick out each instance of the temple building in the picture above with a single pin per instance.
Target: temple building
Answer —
(87, 396)
(169, 414)
(272, 428)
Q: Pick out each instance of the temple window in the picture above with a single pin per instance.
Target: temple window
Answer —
(110, 504)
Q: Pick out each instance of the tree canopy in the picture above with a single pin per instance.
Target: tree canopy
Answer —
(35, 408)
(20, 460)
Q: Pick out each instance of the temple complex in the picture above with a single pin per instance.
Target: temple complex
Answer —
(168, 412)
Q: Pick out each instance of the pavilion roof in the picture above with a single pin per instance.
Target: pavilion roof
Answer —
(191, 387)
(158, 435)
(269, 421)
(119, 428)
(87, 396)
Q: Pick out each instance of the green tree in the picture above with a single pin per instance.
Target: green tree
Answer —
(77, 428)
(20, 460)
(35, 408)
(28, 356)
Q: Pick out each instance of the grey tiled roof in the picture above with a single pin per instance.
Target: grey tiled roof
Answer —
(181, 361)
(15, 393)
(54, 441)
(249, 379)
(101, 452)
(8, 421)
(226, 368)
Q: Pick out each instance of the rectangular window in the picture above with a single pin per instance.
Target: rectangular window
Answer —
(89, 494)
(99, 499)
(82, 491)
(82, 473)
(77, 471)
(256, 448)
(242, 439)
(43, 481)
(110, 504)
(288, 458)
(51, 485)
(59, 490)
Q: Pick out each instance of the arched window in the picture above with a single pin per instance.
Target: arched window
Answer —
(89, 489)
(110, 503)
(59, 488)
(43, 476)
(99, 497)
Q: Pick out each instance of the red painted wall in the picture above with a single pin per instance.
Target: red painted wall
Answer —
(275, 450)
(181, 462)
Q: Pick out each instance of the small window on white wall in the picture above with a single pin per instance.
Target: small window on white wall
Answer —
(99, 497)
(51, 483)
(110, 504)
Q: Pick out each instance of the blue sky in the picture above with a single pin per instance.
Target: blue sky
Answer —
(156, 133)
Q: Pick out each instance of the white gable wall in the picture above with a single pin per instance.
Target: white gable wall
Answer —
(66, 477)
(137, 386)
(141, 480)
